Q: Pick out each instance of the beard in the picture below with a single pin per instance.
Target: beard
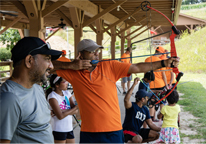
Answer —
(36, 75)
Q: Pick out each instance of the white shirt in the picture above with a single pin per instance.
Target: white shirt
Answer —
(64, 125)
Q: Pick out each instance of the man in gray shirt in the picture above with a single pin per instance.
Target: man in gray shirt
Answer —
(24, 112)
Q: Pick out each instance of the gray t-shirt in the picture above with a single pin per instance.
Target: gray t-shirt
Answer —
(24, 114)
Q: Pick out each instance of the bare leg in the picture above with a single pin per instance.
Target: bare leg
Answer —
(60, 141)
(153, 135)
(137, 139)
(70, 141)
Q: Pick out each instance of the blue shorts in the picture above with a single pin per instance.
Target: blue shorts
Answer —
(102, 137)
(63, 135)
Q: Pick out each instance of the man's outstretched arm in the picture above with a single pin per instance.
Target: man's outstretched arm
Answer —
(74, 65)
(147, 66)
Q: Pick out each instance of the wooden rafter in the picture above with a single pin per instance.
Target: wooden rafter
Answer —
(143, 18)
(139, 33)
(103, 13)
(122, 19)
(64, 17)
(10, 24)
(53, 7)
(136, 30)
(20, 6)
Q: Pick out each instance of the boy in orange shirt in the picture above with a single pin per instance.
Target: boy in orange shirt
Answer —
(95, 91)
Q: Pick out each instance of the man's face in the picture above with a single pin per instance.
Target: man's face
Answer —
(90, 55)
(41, 68)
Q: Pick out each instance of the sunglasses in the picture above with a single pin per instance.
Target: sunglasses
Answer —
(46, 44)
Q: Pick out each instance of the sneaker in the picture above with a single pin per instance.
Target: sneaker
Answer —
(124, 92)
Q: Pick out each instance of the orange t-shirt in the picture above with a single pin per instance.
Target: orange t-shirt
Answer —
(168, 75)
(64, 59)
(124, 56)
(96, 95)
(158, 82)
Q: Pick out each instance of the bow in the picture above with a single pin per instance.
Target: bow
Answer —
(145, 7)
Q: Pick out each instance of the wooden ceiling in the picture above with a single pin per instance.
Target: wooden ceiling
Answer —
(90, 8)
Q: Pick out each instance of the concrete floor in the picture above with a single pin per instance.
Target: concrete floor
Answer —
(121, 104)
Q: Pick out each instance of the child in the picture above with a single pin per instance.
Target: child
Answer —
(169, 132)
(136, 114)
(63, 107)
(148, 77)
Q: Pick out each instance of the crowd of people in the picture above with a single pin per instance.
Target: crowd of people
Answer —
(27, 116)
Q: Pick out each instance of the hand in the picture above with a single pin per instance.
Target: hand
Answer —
(52, 113)
(174, 61)
(81, 64)
(136, 81)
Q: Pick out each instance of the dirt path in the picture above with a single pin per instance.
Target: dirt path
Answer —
(188, 126)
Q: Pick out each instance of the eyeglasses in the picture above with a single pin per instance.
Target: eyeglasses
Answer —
(46, 44)
(95, 52)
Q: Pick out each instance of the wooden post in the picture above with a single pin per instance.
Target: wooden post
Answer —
(113, 40)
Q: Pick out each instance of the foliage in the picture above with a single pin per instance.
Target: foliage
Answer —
(4, 54)
(188, 2)
(10, 37)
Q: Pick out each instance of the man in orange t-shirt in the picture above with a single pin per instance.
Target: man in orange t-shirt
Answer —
(169, 73)
(160, 81)
(63, 57)
(126, 79)
(95, 91)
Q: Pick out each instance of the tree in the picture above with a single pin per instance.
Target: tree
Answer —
(10, 37)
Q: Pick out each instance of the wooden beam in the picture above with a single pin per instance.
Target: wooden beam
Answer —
(53, 33)
(139, 33)
(10, 24)
(122, 19)
(21, 33)
(135, 30)
(43, 4)
(31, 9)
(20, 6)
(18, 25)
(67, 20)
(157, 28)
(92, 27)
(187, 27)
(143, 18)
(53, 7)
(99, 15)
(90, 10)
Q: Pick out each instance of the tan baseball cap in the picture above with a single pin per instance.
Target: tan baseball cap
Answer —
(88, 45)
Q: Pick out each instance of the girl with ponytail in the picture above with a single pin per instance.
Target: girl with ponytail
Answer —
(63, 107)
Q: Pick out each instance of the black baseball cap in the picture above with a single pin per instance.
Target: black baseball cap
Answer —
(32, 46)
(143, 93)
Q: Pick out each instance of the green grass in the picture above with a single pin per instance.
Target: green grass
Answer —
(198, 13)
(194, 101)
